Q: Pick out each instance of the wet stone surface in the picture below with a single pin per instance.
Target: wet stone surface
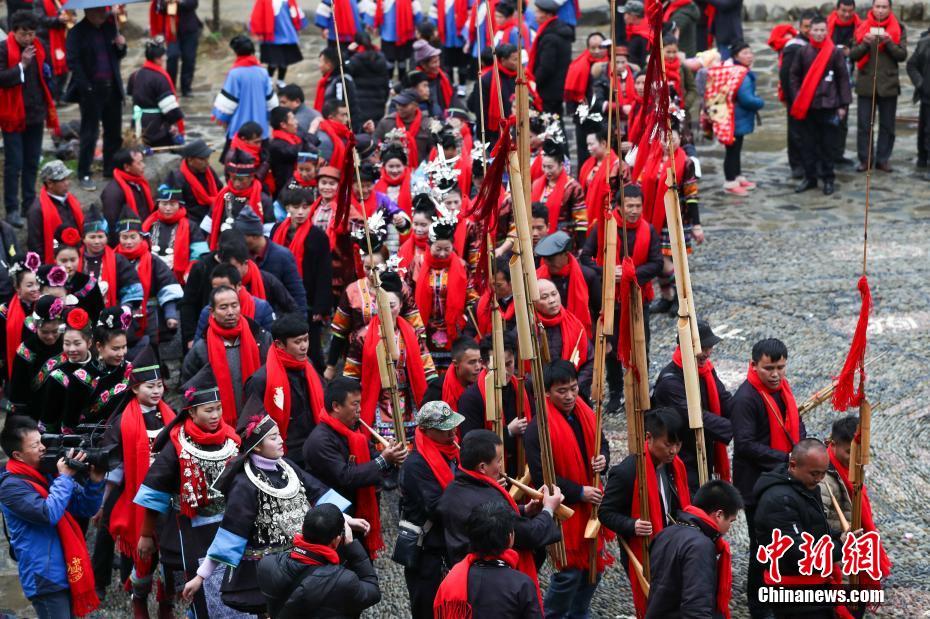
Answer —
(774, 264)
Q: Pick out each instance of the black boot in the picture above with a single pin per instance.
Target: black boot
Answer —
(807, 183)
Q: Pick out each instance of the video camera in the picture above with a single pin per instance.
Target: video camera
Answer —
(86, 438)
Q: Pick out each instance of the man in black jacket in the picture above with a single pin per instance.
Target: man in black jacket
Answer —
(788, 501)
(795, 127)
(552, 53)
(27, 103)
(326, 575)
(198, 181)
(755, 449)
(918, 69)
(326, 452)
(489, 581)
(727, 26)
(825, 109)
(480, 456)
(427, 472)
(669, 390)
(684, 566)
(97, 87)
(183, 50)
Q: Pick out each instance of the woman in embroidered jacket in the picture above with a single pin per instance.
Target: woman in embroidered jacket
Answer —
(267, 496)
(102, 387)
(37, 350)
(16, 316)
(53, 397)
(183, 509)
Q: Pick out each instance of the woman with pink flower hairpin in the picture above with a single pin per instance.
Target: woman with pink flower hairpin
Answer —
(16, 316)
(39, 349)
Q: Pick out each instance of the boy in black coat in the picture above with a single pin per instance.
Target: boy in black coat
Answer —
(690, 560)
(551, 56)
(326, 575)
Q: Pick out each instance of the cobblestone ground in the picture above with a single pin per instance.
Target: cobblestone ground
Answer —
(774, 264)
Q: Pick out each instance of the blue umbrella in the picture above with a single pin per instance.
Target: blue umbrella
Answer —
(72, 5)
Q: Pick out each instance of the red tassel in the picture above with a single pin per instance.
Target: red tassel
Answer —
(654, 114)
(846, 394)
(344, 193)
(484, 209)
(628, 283)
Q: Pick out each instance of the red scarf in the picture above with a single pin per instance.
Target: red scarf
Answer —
(80, 572)
(554, 200)
(453, 293)
(578, 76)
(570, 464)
(304, 552)
(12, 108)
(161, 24)
(366, 501)
(123, 179)
(654, 187)
(371, 379)
(625, 87)
(296, 246)
(414, 246)
(107, 273)
(203, 195)
(151, 66)
(246, 303)
(534, 48)
(321, 86)
(370, 205)
(254, 150)
(246, 61)
(452, 388)
(15, 319)
(56, 39)
(642, 29)
(345, 20)
(300, 181)
(464, 166)
(724, 561)
(595, 194)
(253, 281)
(673, 72)
(655, 515)
(527, 411)
(868, 522)
(291, 138)
(143, 254)
(641, 242)
(577, 290)
(51, 220)
(812, 78)
(573, 335)
(445, 85)
(706, 372)
(833, 20)
(437, 456)
(484, 313)
(126, 519)
(195, 489)
(262, 20)
(451, 600)
(404, 199)
(338, 134)
(673, 6)
(278, 391)
(253, 195)
(524, 561)
(413, 154)
(403, 19)
(785, 431)
(891, 26)
(182, 238)
(249, 361)
(494, 118)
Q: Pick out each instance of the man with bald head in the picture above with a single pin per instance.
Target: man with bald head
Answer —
(565, 335)
(788, 499)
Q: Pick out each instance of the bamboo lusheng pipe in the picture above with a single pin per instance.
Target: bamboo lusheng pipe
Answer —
(822, 395)
(638, 567)
(386, 319)
(562, 512)
(858, 459)
(375, 434)
(521, 215)
(515, 491)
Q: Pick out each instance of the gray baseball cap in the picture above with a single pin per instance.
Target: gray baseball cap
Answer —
(633, 7)
(54, 170)
(439, 416)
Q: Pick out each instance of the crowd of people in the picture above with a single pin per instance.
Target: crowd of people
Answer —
(249, 480)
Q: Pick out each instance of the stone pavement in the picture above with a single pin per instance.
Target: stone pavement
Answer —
(774, 264)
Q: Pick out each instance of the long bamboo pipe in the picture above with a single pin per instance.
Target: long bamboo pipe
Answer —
(562, 512)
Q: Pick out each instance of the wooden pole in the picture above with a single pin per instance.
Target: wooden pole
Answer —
(389, 350)
(859, 458)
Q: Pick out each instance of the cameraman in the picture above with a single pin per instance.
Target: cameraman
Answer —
(54, 568)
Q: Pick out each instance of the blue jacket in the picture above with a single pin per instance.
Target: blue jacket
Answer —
(279, 261)
(31, 522)
(746, 105)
